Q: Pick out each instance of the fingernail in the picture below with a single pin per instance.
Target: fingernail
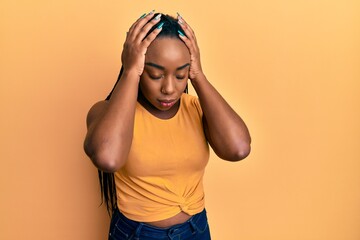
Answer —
(180, 21)
(152, 12)
(160, 25)
(158, 16)
(181, 33)
(142, 16)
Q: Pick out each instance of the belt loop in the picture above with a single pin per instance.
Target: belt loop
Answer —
(171, 233)
(138, 231)
(192, 225)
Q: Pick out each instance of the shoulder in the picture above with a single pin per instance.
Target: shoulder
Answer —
(188, 98)
(192, 103)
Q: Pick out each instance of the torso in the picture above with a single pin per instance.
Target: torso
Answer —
(179, 218)
(161, 183)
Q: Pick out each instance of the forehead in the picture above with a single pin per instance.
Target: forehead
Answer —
(168, 50)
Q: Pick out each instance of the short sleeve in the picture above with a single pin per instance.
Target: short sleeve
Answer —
(196, 103)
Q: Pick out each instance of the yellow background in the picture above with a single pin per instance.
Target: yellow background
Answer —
(291, 69)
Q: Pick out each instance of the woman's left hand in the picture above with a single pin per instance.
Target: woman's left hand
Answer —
(190, 41)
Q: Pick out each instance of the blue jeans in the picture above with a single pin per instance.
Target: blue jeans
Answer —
(122, 228)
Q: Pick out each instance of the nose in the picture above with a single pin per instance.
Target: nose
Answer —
(168, 86)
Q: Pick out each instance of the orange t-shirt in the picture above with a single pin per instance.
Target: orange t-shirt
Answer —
(164, 171)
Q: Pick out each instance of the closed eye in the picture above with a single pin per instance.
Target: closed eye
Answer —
(180, 77)
(155, 77)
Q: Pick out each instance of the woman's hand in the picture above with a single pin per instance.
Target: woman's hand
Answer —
(190, 41)
(224, 129)
(135, 46)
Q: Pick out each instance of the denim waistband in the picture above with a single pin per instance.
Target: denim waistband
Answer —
(197, 223)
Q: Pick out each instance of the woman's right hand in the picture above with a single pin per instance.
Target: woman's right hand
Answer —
(135, 46)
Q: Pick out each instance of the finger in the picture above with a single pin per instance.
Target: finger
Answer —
(148, 40)
(186, 27)
(145, 30)
(189, 40)
(139, 23)
(136, 22)
(131, 29)
(188, 31)
(141, 18)
(191, 45)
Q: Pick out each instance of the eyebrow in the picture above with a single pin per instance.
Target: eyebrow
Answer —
(163, 68)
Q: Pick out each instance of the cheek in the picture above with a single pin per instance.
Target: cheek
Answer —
(183, 85)
(147, 86)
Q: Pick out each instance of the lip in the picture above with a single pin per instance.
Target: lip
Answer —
(167, 102)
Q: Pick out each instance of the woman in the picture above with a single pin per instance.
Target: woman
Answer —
(149, 139)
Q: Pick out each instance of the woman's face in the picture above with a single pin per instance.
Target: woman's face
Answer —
(165, 75)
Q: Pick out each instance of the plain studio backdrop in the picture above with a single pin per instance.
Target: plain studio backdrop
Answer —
(291, 69)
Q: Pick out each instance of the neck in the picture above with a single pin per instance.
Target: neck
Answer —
(156, 112)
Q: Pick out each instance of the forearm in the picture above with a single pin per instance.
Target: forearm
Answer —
(110, 125)
(226, 131)
(110, 135)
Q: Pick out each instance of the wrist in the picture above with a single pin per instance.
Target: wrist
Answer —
(131, 74)
(198, 78)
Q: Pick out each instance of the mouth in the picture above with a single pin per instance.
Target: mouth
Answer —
(167, 102)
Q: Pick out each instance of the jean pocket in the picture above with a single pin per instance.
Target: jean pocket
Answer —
(118, 234)
(201, 228)
(120, 231)
(201, 223)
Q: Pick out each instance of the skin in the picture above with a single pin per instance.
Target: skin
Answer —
(160, 68)
(165, 76)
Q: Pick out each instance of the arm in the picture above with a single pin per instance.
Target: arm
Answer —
(225, 131)
(110, 124)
